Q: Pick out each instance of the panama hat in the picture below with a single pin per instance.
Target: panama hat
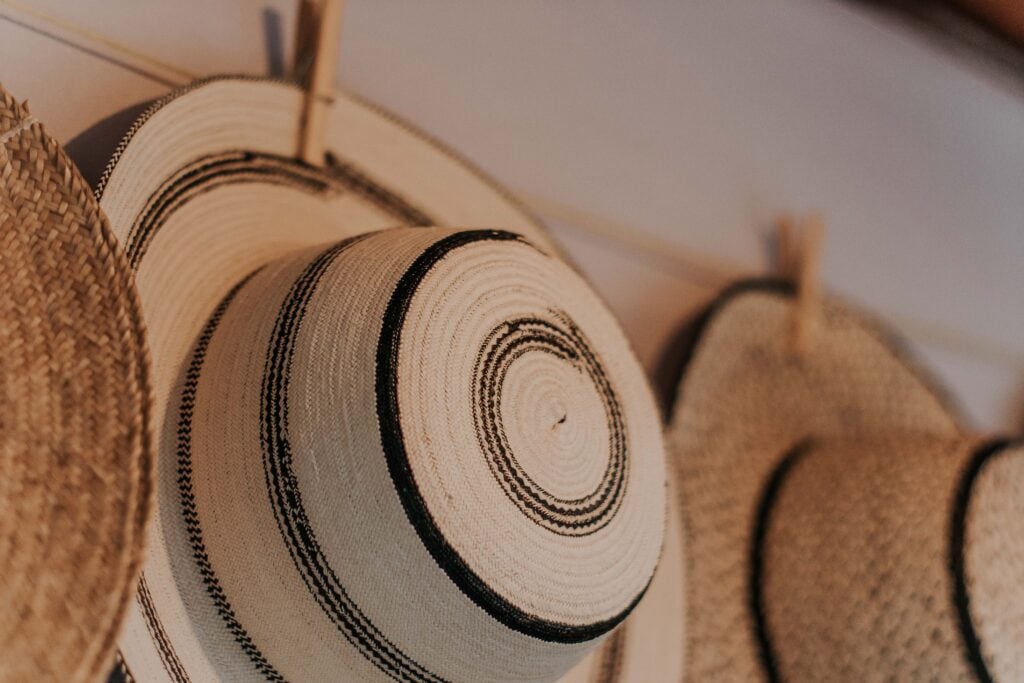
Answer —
(384, 452)
(75, 473)
(650, 644)
(841, 524)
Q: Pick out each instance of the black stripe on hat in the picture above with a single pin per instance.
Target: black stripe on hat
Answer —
(186, 493)
(609, 670)
(239, 166)
(120, 673)
(286, 496)
(773, 486)
(957, 559)
(402, 476)
(168, 657)
(556, 335)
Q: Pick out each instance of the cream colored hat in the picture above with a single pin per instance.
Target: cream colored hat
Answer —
(650, 643)
(383, 452)
(75, 470)
(833, 529)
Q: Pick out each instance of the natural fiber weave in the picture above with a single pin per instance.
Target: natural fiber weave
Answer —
(330, 408)
(840, 524)
(650, 643)
(75, 470)
(385, 452)
(745, 401)
(893, 558)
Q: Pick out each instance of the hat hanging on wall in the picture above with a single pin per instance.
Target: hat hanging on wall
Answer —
(842, 525)
(650, 644)
(384, 452)
(75, 470)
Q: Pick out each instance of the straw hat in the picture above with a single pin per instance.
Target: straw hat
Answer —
(892, 557)
(650, 644)
(840, 524)
(383, 451)
(75, 476)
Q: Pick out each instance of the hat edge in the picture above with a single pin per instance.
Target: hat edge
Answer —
(679, 353)
(981, 456)
(146, 110)
(128, 319)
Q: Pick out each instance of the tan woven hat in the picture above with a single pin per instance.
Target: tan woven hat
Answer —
(892, 557)
(383, 452)
(75, 474)
(840, 524)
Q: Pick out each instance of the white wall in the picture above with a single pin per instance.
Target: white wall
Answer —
(646, 133)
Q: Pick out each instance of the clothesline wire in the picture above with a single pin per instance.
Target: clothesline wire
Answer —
(668, 256)
(713, 271)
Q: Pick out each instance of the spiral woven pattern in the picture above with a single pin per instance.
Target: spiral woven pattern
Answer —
(386, 453)
(650, 645)
(327, 412)
(75, 466)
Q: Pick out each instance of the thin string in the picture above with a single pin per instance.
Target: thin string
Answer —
(710, 270)
(680, 261)
(99, 45)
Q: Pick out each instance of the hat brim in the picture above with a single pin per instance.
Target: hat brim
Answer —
(203, 191)
(75, 462)
(743, 401)
(650, 645)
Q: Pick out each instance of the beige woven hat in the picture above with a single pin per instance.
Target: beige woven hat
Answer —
(840, 524)
(383, 452)
(75, 474)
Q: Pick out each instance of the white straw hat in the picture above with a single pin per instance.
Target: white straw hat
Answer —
(409, 453)
(650, 645)
(75, 467)
(837, 564)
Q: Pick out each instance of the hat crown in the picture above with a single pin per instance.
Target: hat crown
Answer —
(426, 428)
(900, 552)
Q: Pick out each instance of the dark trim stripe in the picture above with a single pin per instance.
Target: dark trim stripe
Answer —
(957, 560)
(286, 496)
(558, 337)
(186, 493)
(240, 166)
(168, 657)
(120, 673)
(402, 476)
(770, 494)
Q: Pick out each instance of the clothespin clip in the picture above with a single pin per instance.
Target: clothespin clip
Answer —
(316, 60)
(799, 262)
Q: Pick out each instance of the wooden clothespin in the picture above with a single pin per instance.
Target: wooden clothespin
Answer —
(316, 60)
(799, 261)
(787, 251)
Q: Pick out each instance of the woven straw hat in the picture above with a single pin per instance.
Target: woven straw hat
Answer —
(840, 524)
(650, 644)
(75, 475)
(892, 557)
(384, 452)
